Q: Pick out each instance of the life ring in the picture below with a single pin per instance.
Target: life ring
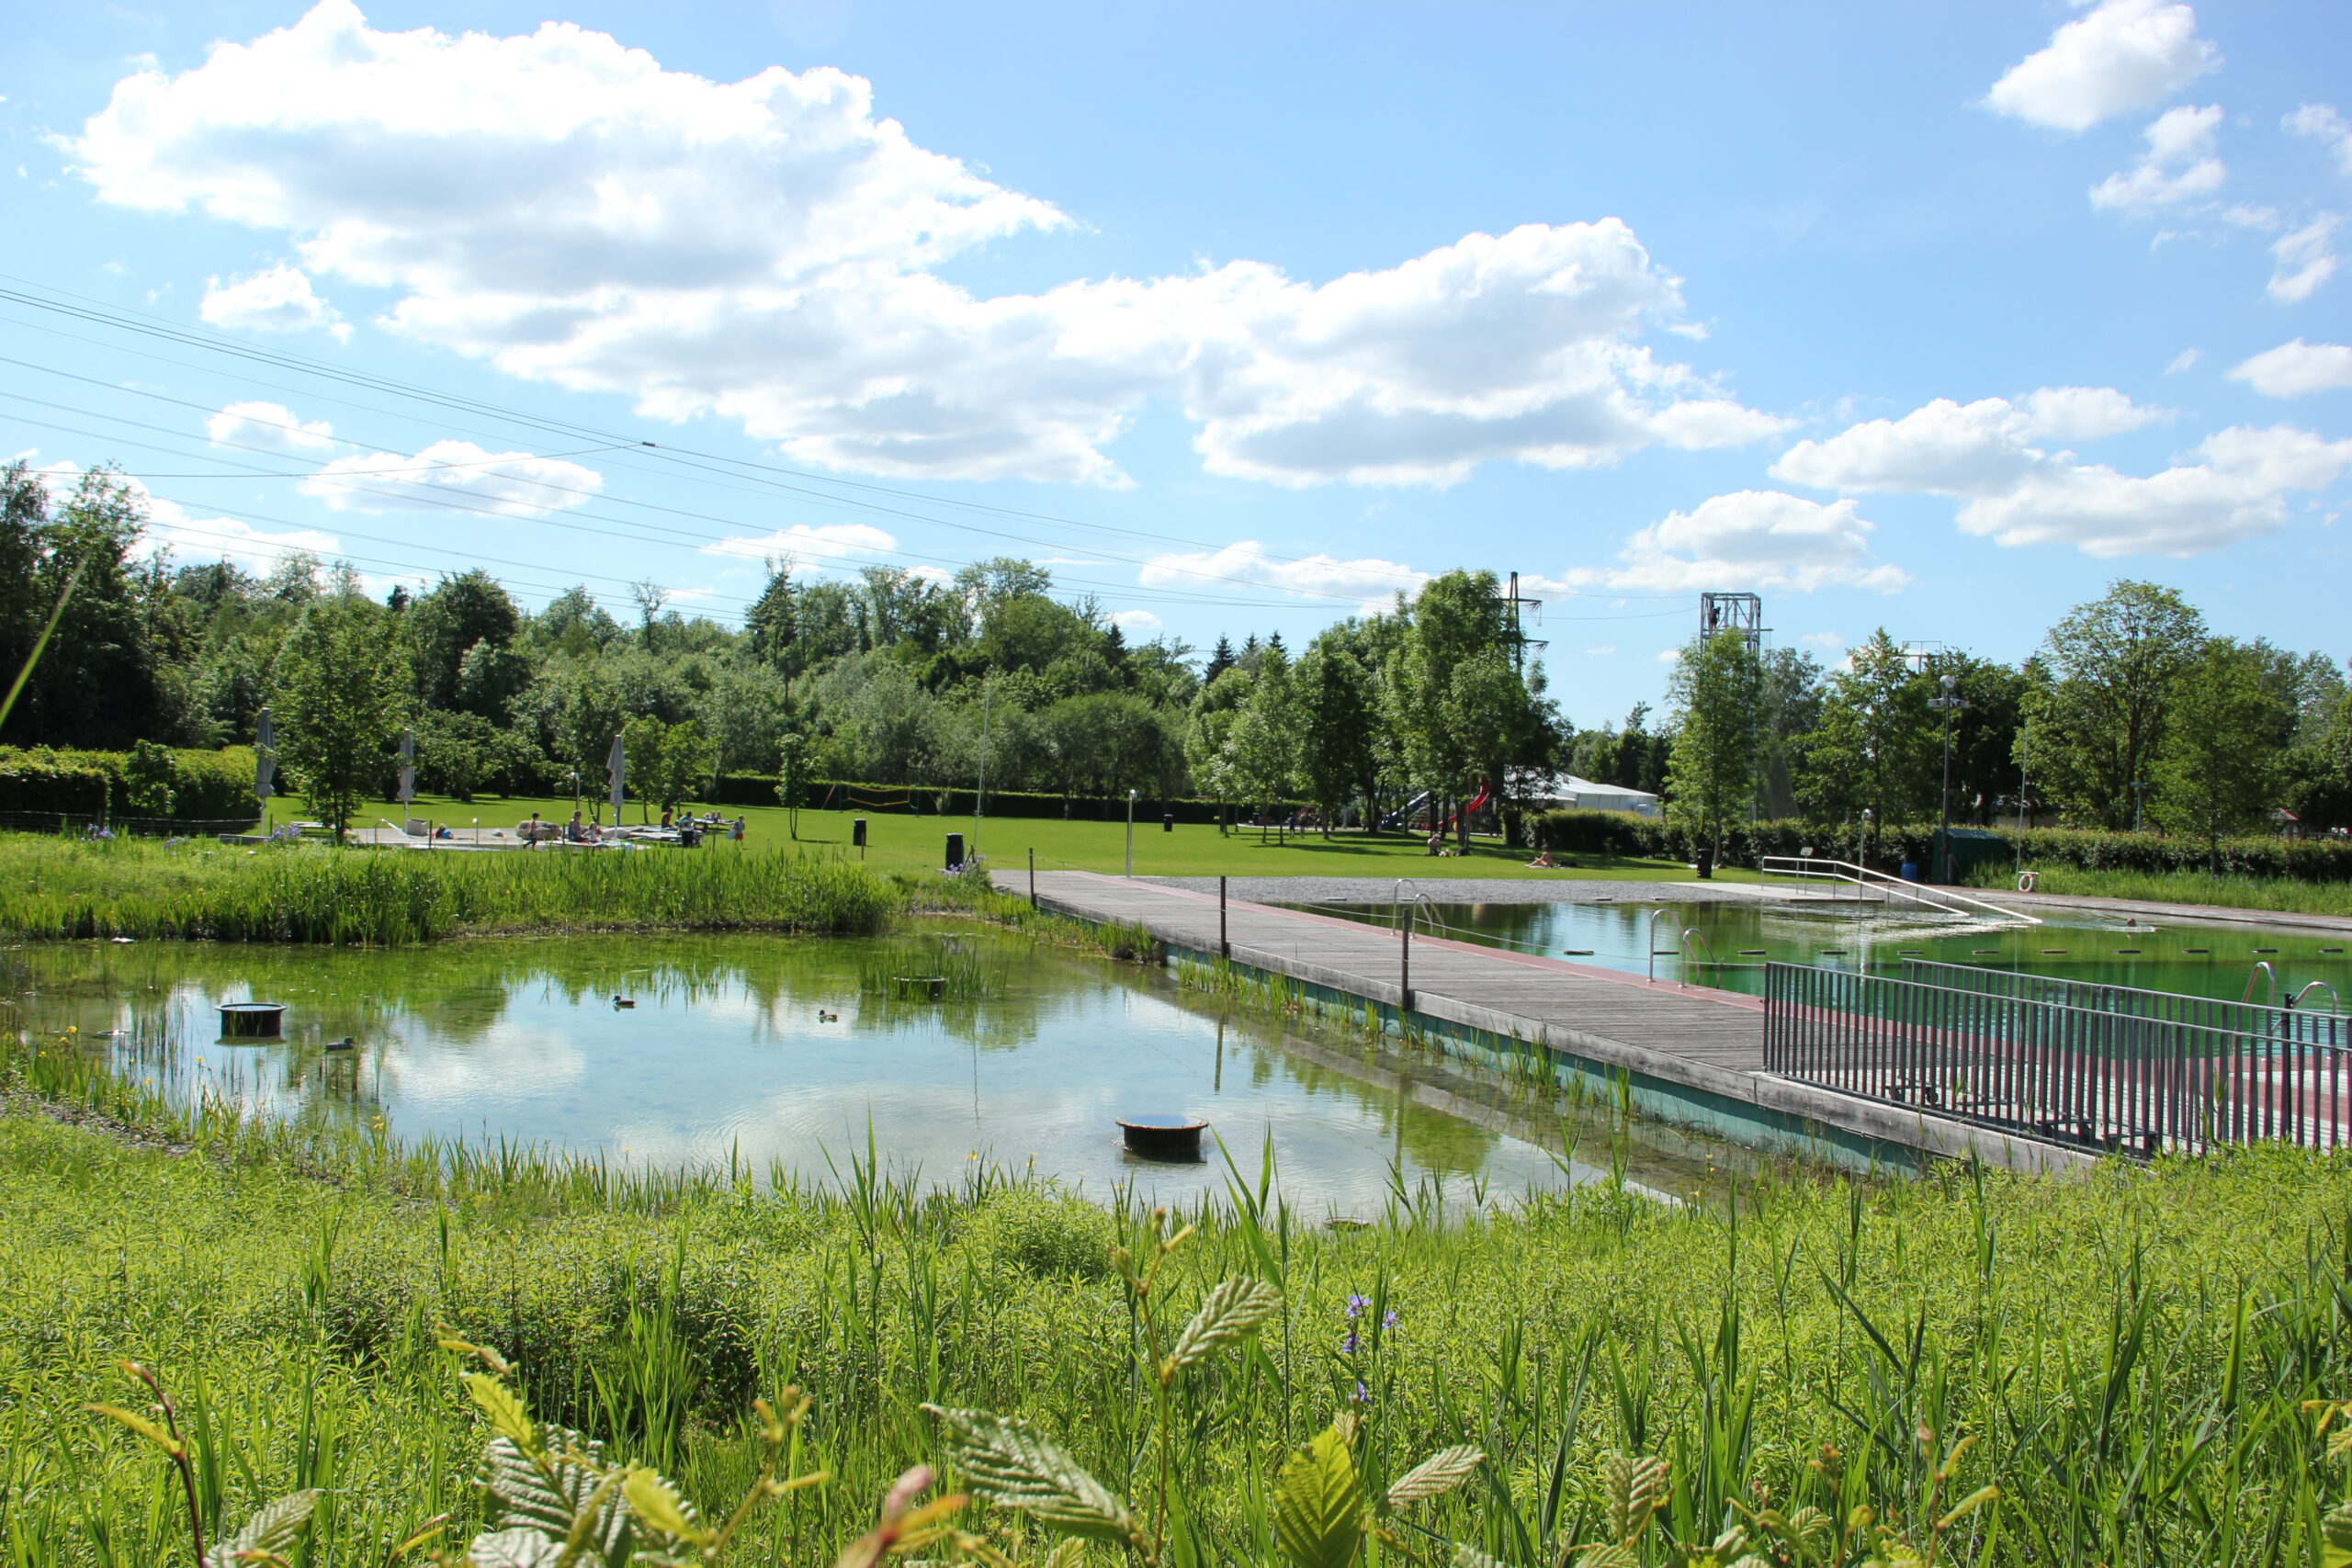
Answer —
(2026, 879)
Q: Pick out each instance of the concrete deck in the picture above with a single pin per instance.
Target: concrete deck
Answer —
(1693, 1055)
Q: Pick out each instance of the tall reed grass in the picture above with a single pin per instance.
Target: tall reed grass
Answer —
(65, 888)
(2131, 1352)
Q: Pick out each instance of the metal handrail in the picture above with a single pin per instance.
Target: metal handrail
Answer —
(2309, 1026)
(1682, 943)
(2334, 1002)
(1801, 867)
(2270, 994)
(1649, 940)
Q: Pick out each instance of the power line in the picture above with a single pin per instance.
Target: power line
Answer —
(124, 318)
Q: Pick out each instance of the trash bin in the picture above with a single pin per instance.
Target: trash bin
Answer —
(857, 832)
(1910, 870)
(1168, 822)
(1706, 865)
(954, 851)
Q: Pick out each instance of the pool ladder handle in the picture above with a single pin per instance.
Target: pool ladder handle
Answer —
(2270, 993)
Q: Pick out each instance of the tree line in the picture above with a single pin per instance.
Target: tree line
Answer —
(2129, 712)
(2133, 715)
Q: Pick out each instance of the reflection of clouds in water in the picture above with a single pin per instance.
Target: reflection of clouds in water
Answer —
(724, 1055)
(508, 1065)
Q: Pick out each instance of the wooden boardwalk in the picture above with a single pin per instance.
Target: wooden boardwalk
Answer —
(1696, 1022)
(1697, 1053)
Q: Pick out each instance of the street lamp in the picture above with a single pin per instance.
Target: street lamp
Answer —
(2139, 803)
(1942, 870)
(1862, 840)
(1131, 832)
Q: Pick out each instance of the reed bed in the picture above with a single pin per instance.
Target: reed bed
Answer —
(65, 888)
(2131, 1351)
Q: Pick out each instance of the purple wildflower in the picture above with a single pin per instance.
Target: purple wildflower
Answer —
(1362, 1395)
(1349, 1344)
(1356, 1304)
(1388, 1318)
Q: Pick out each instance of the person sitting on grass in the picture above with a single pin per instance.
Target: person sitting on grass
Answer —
(1543, 862)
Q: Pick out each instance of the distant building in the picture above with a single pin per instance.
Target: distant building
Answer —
(1566, 790)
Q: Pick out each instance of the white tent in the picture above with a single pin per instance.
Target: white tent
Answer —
(1569, 791)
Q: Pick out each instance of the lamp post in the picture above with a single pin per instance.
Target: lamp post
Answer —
(2025, 749)
(1941, 870)
(1131, 832)
(1862, 840)
(2139, 803)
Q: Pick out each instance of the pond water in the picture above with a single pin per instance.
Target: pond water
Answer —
(1735, 940)
(769, 1052)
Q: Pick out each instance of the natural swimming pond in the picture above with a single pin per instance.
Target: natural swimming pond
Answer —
(1735, 940)
(781, 1054)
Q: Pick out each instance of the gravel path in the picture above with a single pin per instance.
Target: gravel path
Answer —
(1462, 890)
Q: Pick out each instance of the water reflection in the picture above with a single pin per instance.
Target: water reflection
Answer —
(1735, 940)
(765, 1050)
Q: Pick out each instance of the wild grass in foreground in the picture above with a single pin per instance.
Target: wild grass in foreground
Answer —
(2190, 887)
(2124, 1359)
(57, 887)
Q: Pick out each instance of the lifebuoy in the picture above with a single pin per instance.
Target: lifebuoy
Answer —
(2026, 879)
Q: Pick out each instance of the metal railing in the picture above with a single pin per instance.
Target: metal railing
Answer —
(2094, 1078)
(1861, 879)
(2301, 1025)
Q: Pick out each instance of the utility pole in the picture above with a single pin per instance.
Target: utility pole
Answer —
(981, 797)
(1131, 832)
(2025, 750)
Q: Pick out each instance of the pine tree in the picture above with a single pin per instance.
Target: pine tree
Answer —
(1220, 661)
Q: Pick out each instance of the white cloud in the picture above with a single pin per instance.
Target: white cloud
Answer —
(2297, 369)
(805, 542)
(2305, 260)
(269, 427)
(277, 300)
(2322, 123)
(1749, 538)
(1603, 651)
(2018, 494)
(172, 529)
(1668, 656)
(1372, 582)
(766, 250)
(511, 484)
(2182, 361)
(1829, 642)
(1953, 448)
(2179, 165)
(1135, 620)
(2124, 55)
(2238, 492)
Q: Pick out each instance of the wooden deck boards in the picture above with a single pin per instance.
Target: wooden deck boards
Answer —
(1701, 1024)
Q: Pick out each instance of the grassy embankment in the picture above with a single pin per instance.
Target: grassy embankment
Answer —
(2189, 888)
(897, 841)
(2131, 1351)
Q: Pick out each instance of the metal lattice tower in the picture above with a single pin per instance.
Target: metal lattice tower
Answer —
(1741, 612)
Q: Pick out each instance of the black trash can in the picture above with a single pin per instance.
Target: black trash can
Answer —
(1706, 865)
(857, 832)
(1168, 822)
(954, 851)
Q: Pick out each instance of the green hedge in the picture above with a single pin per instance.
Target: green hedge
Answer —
(759, 789)
(1621, 833)
(207, 786)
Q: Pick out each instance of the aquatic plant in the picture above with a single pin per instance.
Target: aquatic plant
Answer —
(308, 892)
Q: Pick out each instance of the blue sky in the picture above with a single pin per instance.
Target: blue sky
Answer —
(1936, 317)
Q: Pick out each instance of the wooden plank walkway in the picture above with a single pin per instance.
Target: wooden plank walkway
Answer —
(1698, 1023)
(1696, 1055)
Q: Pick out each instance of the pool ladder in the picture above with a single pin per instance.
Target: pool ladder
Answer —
(1681, 948)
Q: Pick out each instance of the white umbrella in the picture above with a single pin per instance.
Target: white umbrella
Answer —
(617, 766)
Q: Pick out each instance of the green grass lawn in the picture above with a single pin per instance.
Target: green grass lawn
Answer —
(896, 841)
